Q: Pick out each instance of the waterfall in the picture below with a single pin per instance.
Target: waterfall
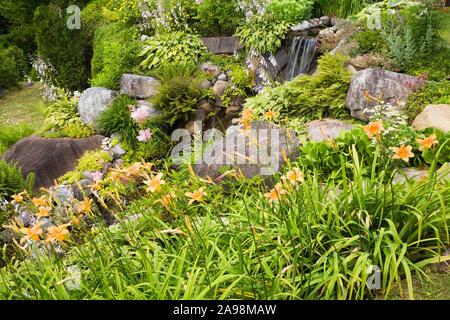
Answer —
(301, 56)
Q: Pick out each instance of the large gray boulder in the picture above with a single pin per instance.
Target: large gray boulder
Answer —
(257, 153)
(330, 127)
(141, 87)
(93, 102)
(375, 81)
(434, 115)
(49, 158)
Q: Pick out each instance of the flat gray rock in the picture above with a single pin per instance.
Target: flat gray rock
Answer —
(222, 45)
(136, 86)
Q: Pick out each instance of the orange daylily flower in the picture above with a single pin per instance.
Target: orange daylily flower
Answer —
(167, 200)
(271, 114)
(403, 153)
(147, 165)
(57, 233)
(374, 128)
(134, 169)
(246, 117)
(294, 176)
(14, 225)
(427, 142)
(76, 220)
(196, 195)
(17, 198)
(38, 202)
(85, 206)
(246, 130)
(43, 212)
(154, 182)
(115, 175)
(95, 186)
(32, 233)
(275, 194)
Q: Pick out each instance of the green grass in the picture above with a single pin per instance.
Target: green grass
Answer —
(20, 106)
(445, 28)
(437, 287)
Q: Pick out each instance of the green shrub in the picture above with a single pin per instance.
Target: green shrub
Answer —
(291, 11)
(341, 8)
(309, 97)
(117, 119)
(11, 180)
(13, 66)
(10, 134)
(69, 51)
(18, 16)
(95, 15)
(370, 41)
(262, 34)
(430, 93)
(218, 17)
(179, 91)
(116, 49)
(91, 161)
(175, 47)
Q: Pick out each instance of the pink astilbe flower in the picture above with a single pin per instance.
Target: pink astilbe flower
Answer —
(140, 115)
(144, 135)
(132, 108)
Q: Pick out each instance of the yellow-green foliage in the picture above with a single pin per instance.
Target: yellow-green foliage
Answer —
(309, 97)
(91, 161)
(75, 131)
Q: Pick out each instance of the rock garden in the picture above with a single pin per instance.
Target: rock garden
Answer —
(212, 149)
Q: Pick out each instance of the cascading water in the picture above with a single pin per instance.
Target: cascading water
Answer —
(301, 56)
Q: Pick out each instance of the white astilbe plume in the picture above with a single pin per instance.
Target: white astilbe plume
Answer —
(44, 71)
(253, 7)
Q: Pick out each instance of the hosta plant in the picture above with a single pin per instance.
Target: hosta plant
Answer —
(178, 47)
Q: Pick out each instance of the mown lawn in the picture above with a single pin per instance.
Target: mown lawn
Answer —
(445, 29)
(436, 289)
(21, 106)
